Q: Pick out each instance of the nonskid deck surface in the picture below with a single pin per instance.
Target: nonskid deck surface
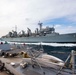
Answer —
(29, 70)
(45, 71)
(3, 73)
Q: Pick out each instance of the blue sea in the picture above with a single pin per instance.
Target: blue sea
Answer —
(59, 50)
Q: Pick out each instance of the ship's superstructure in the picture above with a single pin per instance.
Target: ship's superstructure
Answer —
(47, 35)
(40, 32)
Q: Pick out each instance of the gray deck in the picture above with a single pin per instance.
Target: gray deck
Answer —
(29, 70)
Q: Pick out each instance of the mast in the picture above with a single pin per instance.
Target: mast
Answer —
(40, 25)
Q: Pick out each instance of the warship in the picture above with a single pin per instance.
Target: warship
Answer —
(45, 35)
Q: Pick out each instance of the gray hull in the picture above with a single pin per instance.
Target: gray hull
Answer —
(50, 38)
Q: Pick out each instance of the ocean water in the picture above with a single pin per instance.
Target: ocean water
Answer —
(59, 50)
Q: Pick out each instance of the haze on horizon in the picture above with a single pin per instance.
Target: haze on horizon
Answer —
(27, 13)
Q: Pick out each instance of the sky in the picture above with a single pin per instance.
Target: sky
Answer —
(27, 13)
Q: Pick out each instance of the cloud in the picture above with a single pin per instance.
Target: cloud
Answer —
(57, 26)
(27, 13)
(65, 29)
